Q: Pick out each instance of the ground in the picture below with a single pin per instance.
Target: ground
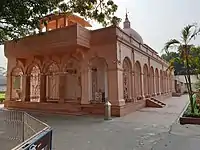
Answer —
(147, 129)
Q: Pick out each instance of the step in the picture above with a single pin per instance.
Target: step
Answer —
(154, 103)
(158, 101)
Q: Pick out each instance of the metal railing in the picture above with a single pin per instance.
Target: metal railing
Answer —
(21, 131)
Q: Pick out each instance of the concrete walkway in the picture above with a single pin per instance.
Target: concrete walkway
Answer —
(142, 130)
(180, 137)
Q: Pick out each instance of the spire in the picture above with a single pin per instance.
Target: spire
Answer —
(126, 14)
(127, 23)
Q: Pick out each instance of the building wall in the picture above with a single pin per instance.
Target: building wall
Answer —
(181, 79)
(110, 52)
(143, 54)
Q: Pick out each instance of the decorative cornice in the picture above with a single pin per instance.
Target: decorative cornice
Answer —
(120, 39)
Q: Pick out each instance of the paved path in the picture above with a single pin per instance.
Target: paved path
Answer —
(140, 130)
(180, 137)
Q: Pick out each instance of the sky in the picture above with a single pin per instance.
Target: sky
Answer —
(157, 21)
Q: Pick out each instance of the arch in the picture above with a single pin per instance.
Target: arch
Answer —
(53, 68)
(71, 65)
(157, 81)
(34, 72)
(20, 64)
(52, 82)
(138, 80)
(170, 82)
(98, 80)
(97, 60)
(16, 83)
(161, 81)
(47, 67)
(145, 80)
(164, 81)
(30, 67)
(16, 70)
(152, 83)
(127, 79)
(72, 80)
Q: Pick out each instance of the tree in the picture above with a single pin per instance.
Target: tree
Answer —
(19, 18)
(184, 48)
(169, 56)
(178, 65)
(195, 61)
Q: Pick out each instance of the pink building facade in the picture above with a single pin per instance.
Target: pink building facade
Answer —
(73, 70)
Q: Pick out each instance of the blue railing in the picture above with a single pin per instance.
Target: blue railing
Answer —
(21, 131)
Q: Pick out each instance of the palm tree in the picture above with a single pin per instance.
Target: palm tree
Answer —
(184, 46)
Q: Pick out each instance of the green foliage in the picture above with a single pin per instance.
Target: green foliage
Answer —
(188, 112)
(170, 56)
(1, 100)
(187, 61)
(197, 84)
(19, 18)
(195, 59)
(178, 65)
(2, 97)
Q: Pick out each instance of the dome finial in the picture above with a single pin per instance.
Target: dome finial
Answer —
(127, 23)
(126, 14)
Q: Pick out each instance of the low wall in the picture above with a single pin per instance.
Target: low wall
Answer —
(74, 108)
(117, 111)
(44, 107)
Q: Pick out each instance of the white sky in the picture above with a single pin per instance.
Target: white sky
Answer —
(156, 21)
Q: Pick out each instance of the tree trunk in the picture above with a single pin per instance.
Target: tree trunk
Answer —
(186, 80)
(189, 85)
(190, 94)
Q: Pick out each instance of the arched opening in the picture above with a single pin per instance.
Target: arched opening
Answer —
(127, 80)
(52, 83)
(165, 82)
(16, 87)
(145, 80)
(138, 81)
(161, 81)
(170, 82)
(99, 80)
(167, 76)
(157, 81)
(72, 81)
(152, 84)
(34, 83)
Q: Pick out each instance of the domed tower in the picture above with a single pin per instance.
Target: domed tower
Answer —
(127, 28)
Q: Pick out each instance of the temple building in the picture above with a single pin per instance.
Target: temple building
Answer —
(70, 69)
